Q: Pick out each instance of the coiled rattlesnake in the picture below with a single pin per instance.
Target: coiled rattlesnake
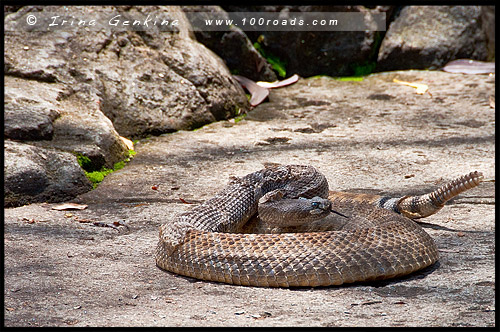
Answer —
(220, 239)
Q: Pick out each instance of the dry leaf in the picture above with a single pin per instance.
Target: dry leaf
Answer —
(258, 93)
(128, 143)
(69, 206)
(184, 201)
(421, 88)
(279, 84)
(467, 66)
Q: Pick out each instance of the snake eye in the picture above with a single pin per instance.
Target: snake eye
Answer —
(315, 204)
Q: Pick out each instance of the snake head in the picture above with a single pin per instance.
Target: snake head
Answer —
(319, 205)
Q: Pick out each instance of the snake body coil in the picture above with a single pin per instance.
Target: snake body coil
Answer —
(372, 243)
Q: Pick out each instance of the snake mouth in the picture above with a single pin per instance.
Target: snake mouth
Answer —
(340, 214)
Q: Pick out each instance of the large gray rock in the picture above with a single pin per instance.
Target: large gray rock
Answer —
(64, 118)
(28, 122)
(148, 82)
(169, 88)
(233, 46)
(488, 24)
(309, 53)
(34, 174)
(428, 37)
(78, 90)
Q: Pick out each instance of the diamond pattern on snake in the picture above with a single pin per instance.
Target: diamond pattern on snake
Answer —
(282, 227)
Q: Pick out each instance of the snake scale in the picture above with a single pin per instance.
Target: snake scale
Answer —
(221, 239)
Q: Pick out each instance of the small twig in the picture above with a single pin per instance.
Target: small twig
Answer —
(114, 224)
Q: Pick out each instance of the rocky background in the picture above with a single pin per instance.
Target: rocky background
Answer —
(74, 95)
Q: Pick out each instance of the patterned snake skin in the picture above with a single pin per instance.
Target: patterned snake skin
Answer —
(221, 240)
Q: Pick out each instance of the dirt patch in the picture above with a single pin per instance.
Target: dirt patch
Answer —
(62, 270)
